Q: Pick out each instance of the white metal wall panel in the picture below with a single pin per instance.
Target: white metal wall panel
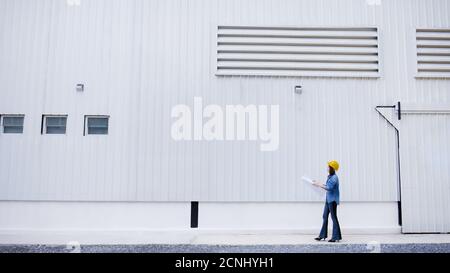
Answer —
(139, 58)
(425, 149)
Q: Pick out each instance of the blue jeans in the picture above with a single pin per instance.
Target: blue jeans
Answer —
(330, 208)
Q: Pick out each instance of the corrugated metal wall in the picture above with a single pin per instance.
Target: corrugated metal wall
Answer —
(425, 146)
(139, 58)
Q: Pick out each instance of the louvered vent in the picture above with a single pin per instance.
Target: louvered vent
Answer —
(433, 52)
(292, 51)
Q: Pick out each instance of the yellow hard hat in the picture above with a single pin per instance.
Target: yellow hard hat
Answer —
(334, 164)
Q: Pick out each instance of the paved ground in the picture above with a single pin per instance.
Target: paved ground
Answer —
(188, 242)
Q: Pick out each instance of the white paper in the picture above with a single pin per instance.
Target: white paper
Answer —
(319, 191)
(307, 179)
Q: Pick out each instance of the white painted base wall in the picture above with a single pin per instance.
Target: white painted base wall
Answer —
(93, 215)
(304, 217)
(135, 222)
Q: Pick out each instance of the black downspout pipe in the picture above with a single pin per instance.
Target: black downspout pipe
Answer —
(397, 135)
(194, 214)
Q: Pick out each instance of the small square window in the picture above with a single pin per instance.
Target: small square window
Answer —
(12, 124)
(55, 124)
(96, 125)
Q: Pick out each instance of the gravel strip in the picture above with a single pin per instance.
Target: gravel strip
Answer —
(166, 248)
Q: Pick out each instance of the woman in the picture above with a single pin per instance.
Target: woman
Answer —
(331, 203)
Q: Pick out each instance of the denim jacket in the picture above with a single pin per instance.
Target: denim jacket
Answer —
(332, 187)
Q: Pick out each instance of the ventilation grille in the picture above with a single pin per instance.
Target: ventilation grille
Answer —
(433, 52)
(289, 51)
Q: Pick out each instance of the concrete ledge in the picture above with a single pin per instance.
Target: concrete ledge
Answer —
(302, 217)
(168, 222)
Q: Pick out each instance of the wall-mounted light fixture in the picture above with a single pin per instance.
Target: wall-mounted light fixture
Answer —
(80, 87)
(298, 89)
